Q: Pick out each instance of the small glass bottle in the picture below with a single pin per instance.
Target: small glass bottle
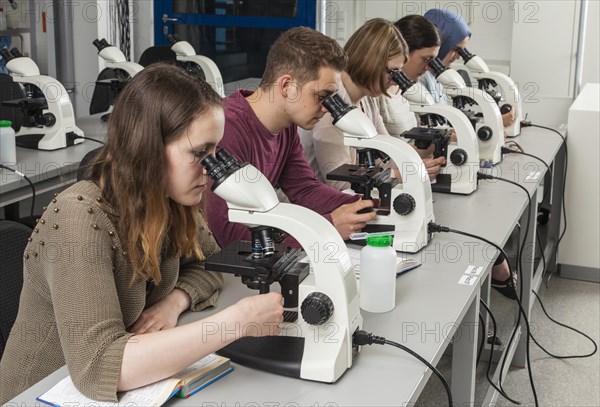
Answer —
(377, 292)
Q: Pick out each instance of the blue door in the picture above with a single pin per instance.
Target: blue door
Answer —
(236, 34)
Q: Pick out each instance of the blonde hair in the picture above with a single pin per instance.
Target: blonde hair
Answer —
(369, 49)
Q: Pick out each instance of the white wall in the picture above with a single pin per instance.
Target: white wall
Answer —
(591, 59)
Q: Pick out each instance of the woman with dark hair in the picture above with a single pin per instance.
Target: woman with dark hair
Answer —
(423, 42)
(115, 259)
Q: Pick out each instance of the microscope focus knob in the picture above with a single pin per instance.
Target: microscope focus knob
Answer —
(316, 308)
(458, 157)
(404, 204)
(485, 133)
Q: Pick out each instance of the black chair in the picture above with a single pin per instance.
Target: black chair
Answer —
(13, 240)
(84, 163)
(157, 53)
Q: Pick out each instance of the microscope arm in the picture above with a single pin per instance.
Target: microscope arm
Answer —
(415, 179)
(210, 69)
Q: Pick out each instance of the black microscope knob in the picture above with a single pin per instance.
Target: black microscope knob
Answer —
(485, 133)
(404, 204)
(46, 119)
(316, 308)
(458, 157)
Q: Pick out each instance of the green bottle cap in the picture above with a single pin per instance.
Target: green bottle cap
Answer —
(5, 123)
(379, 241)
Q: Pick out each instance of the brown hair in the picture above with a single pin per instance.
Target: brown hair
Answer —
(370, 48)
(157, 106)
(301, 52)
(418, 32)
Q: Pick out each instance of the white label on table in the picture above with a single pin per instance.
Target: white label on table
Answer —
(468, 280)
(474, 270)
(533, 176)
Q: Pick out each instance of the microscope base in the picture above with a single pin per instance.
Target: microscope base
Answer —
(32, 141)
(443, 184)
(281, 355)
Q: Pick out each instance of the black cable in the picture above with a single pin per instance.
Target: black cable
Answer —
(509, 151)
(520, 295)
(75, 137)
(489, 366)
(564, 211)
(432, 228)
(539, 242)
(20, 174)
(483, 339)
(565, 326)
(362, 338)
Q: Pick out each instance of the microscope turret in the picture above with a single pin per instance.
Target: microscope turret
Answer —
(186, 55)
(327, 296)
(115, 59)
(112, 78)
(491, 131)
(459, 175)
(45, 110)
(405, 211)
(509, 92)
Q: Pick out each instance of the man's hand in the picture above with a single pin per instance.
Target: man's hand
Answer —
(163, 314)
(347, 221)
(433, 166)
(508, 118)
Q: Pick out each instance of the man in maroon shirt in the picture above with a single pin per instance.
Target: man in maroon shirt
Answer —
(261, 128)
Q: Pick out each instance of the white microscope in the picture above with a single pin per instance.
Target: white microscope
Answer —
(407, 210)
(491, 131)
(111, 79)
(317, 345)
(48, 121)
(459, 175)
(187, 55)
(509, 91)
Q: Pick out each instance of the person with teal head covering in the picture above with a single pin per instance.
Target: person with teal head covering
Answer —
(454, 34)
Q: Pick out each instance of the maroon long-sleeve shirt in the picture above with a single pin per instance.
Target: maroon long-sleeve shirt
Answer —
(279, 157)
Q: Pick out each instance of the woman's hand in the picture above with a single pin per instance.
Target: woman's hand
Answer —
(163, 314)
(261, 314)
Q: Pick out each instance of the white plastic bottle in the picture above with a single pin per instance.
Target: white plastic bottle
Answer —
(377, 292)
(8, 150)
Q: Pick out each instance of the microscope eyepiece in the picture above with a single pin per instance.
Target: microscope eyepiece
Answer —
(100, 44)
(465, 54)
(6, 55)
(336, 106)
(231, 164)
(402, 80)
(16, 53)
(437, 66)
(216, 169)
(171, 39)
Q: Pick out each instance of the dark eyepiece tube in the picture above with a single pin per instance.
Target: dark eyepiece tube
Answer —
(6, 55)
(402, 80)
(465, 54)
(336, 106)
(437, 66)
(16, 52)
(231, 164)
(216, 170)
(171, 39)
